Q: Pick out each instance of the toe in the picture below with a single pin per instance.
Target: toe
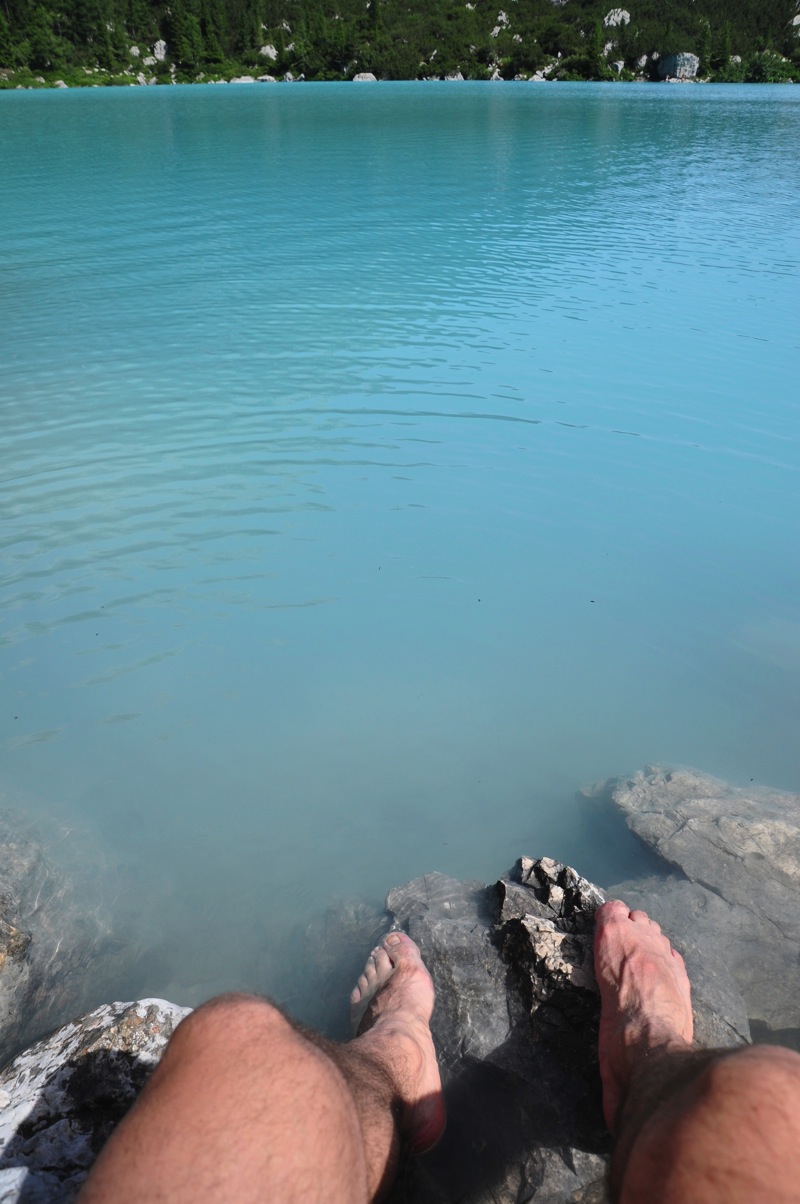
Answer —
(611, 912)
(641, 917)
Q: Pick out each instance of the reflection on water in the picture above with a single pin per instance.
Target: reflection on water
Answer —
(380, 467)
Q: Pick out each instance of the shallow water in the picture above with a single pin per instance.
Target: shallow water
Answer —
(380, 465)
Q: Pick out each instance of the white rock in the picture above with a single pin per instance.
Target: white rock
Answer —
(495, 75)
(149, 61)
(516, 38)
(134, 51)
(678, 66)
(243, 79)
(618, 64)
(267, 79)
(495, 31)
(454, 75)
(160, 50)
(109, 1051)
(364, 77)
(268, 52)
(285, 25)
(288, 78)
(641, 62)
(617, 16)
(59, 84)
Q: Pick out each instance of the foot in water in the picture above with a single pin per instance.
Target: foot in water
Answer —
(391, 1008)
(645, 998)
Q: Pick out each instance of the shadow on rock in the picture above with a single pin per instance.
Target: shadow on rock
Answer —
(63, 1097)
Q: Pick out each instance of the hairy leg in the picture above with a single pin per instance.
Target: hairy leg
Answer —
(246, 1107)
(691, 1126)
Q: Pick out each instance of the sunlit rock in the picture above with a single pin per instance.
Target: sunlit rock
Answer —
(60, 1099)
(617, 16)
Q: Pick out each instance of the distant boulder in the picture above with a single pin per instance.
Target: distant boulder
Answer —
(678, 66)
(364, 77)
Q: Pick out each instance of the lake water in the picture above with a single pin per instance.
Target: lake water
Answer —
(379, 466)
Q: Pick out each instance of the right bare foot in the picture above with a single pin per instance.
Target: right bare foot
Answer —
(392, 1006)
(645, 998)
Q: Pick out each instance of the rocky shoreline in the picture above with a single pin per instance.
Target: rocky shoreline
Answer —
(516, 1015)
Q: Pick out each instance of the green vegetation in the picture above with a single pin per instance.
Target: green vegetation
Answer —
(90, 42)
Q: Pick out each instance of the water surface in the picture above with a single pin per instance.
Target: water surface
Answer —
(380, 465)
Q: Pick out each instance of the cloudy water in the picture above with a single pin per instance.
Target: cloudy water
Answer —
(379, 466)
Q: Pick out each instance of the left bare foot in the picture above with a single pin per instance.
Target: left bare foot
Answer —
(391, 1008)
(645, 998)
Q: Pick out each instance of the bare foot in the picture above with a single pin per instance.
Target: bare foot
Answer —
(645, 997)
(391, 1009)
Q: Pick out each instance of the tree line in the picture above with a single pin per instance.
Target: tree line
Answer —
(89, 41)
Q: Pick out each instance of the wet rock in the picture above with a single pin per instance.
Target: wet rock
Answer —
(734, 894)
(60, 1099)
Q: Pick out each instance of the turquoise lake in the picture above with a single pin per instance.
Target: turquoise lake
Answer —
(379, 466)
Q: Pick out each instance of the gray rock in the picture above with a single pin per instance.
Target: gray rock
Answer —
(364, 77)
(515, 1025)
(60, 1099)
(678, 66)
(739, 852)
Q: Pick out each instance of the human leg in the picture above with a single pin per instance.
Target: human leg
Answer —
(690, 1126)
(245, 1106)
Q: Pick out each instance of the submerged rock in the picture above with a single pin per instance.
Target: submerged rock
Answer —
(63, 944)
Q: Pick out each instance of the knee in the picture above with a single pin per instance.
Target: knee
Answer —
(226, 1022)
(762, 1081)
